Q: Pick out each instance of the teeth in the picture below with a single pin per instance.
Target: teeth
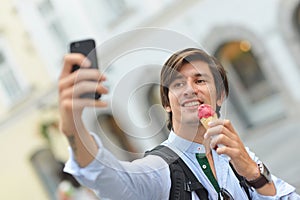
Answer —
(193, 103)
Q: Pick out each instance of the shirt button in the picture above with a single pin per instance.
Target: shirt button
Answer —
(204, 166)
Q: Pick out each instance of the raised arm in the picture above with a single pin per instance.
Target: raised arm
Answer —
(71, 105)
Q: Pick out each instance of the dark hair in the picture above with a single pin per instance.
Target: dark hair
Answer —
(175, 63)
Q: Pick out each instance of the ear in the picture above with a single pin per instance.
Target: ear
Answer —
(168, 109)
(221, 99)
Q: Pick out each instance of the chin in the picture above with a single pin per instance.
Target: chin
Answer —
(192, 122)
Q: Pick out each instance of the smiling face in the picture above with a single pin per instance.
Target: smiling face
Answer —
(194, 69)
(193, 85)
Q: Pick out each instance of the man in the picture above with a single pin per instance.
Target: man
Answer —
(189, 78)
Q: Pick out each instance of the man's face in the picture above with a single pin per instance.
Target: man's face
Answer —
(193, 85)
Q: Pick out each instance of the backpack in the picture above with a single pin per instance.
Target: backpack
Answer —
(183, 181)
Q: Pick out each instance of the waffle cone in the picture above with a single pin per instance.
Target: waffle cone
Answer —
(205, 120)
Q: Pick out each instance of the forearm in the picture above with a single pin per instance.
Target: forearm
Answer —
(109, 177)
(276, 189)
(284, 191)
(267, 190)
(83, 145)
(254, 173)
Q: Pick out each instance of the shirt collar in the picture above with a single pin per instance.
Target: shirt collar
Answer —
(184, 145)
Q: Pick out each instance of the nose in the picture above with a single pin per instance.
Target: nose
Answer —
(191, 89)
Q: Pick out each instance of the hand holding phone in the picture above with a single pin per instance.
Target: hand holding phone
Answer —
(88, 49)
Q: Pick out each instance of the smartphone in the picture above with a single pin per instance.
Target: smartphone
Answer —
(88, 48)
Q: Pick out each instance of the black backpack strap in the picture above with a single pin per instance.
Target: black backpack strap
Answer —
(242, 181)
(182, 178)
(193, 184)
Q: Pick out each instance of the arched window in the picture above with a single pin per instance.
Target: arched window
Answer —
(239, 56)
(153, 94)
(153, 97)
(296, 19)
(251, 92)
(289, 24)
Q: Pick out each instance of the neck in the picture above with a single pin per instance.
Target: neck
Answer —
(193, 133)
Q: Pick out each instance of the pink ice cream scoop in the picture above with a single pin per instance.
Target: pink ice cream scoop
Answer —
(206, 114)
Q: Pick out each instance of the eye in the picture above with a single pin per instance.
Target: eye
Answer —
(200, 81)
(178, 84)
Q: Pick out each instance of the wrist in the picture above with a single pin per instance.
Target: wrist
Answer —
(253, 174)
(72, 128)
(263, 178)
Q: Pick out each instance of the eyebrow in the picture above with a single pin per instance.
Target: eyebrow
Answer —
(201, 75)
(180, 76)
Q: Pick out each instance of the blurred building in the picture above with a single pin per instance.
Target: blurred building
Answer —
(257, 41)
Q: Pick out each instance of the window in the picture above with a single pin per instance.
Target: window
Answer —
(48, 169)
(296, 19)
(251, 92)
(239, 56)
(153, 94)
(52, 20)
(9, 82)
(45, 21)
(104, 13)
(153, 97)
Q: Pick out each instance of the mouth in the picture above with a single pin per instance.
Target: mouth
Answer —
(192, 104)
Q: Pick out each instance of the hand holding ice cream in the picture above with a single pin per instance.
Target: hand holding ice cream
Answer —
(206, 114)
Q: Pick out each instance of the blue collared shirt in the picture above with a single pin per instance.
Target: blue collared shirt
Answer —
(149, 177)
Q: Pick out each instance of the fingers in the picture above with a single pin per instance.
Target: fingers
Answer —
(72, 105)
(221, 140)
(72, 85)
(225, 140)
(83, 88)
(221, 127)
(223, 136)
(81, 82)
(73, 59)
(80, 75)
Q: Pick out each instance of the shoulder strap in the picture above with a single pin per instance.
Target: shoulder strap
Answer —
(242, 181)
(193, 184)
(183, 179)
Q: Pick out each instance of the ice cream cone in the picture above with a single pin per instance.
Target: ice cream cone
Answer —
(205, 121)
(206, 114)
